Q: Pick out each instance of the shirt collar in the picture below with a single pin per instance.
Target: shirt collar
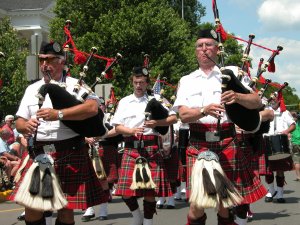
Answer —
(215, 72)
(133, 98)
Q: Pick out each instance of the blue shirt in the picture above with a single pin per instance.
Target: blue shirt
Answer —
(3, 147)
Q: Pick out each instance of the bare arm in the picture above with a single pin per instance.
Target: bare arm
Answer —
(79, 112)
(250, 101)
(163, 122)
(188, 115)
(121, 129)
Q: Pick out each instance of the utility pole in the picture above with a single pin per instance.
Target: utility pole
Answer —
(182, 9)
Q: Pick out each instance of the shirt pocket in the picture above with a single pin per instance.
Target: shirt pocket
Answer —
(195, 100)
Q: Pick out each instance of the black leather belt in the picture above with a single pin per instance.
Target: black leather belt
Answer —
(212, 136)
(58, 146)
(144, 143)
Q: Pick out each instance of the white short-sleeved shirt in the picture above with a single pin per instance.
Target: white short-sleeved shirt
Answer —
(131, 113)
(198, 89)
(281, 122)
(47, 130)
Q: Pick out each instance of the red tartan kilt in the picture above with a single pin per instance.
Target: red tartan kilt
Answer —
(172, 166)
(257, 153)
(77, 177)
(157, 168)
(109, 157)
(234, 163)
(182, 172)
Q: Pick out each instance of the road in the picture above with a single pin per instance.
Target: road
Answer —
(264, 213)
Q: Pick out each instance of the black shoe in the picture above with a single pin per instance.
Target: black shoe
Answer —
(102, 217)
(268, 199)
(159, 206)
(170, 207)
(87, 218)
(280, 200)
(21, 217)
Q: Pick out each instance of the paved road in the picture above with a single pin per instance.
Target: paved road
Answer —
(265, 213)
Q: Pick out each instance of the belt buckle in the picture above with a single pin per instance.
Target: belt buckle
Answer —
(210, 136)
(138, 144)
(49, 148)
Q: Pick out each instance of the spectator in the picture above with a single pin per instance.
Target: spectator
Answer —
(296, 145)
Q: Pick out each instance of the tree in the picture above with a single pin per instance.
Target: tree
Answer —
(129, 27)
(12, 67)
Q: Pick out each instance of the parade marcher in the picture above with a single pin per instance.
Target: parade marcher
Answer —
(200, 102)
(72, 183)
(142, 171)
(104, 149)
(283, 124)
(171, 161)
(295, 140)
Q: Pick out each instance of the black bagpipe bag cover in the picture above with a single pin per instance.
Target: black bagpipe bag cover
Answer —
(90, 127)
(247, 119)
(157, 112)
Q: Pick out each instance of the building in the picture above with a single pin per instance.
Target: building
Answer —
(30, 18)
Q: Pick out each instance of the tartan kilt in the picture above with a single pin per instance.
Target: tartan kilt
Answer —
(109, 157)
(257, 154)
(182, 172)
(172, 166)
(77, 178)
(234, 162)
(157, 168)
(286, 164)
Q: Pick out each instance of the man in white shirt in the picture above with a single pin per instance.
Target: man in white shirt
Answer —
(283, 124)
(142, 142)
(56, 145)
(200, 102)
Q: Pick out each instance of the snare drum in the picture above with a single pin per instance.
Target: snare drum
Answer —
(277, 146)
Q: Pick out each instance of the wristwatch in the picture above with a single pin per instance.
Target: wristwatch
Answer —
(202, 112)
(60, 115)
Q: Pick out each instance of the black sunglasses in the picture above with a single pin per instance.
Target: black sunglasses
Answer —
(48, 59)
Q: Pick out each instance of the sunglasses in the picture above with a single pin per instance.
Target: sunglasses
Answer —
(48, 59)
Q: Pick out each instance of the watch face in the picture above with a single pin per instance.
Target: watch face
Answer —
(60, 115)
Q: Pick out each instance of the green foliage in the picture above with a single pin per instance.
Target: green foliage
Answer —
(12, 67)
(130, 28)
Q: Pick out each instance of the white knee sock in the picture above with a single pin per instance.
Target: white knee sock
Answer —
(240, 221)
(171, 201)
(137, 217)
(48, 220)
(148, 222)
(279, 192)
(271, 190)
(103, 209)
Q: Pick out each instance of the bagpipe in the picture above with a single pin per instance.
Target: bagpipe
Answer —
(155, 109)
